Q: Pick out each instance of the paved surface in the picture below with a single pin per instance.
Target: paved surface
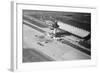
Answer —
(54, 50)
(31, 55)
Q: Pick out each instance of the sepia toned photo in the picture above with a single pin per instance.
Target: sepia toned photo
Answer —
(55, 36)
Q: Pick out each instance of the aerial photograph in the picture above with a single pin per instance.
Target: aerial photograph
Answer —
(55, 36)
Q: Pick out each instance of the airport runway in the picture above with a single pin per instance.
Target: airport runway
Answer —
(31, 55)
(57, 51)
(36, 50)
